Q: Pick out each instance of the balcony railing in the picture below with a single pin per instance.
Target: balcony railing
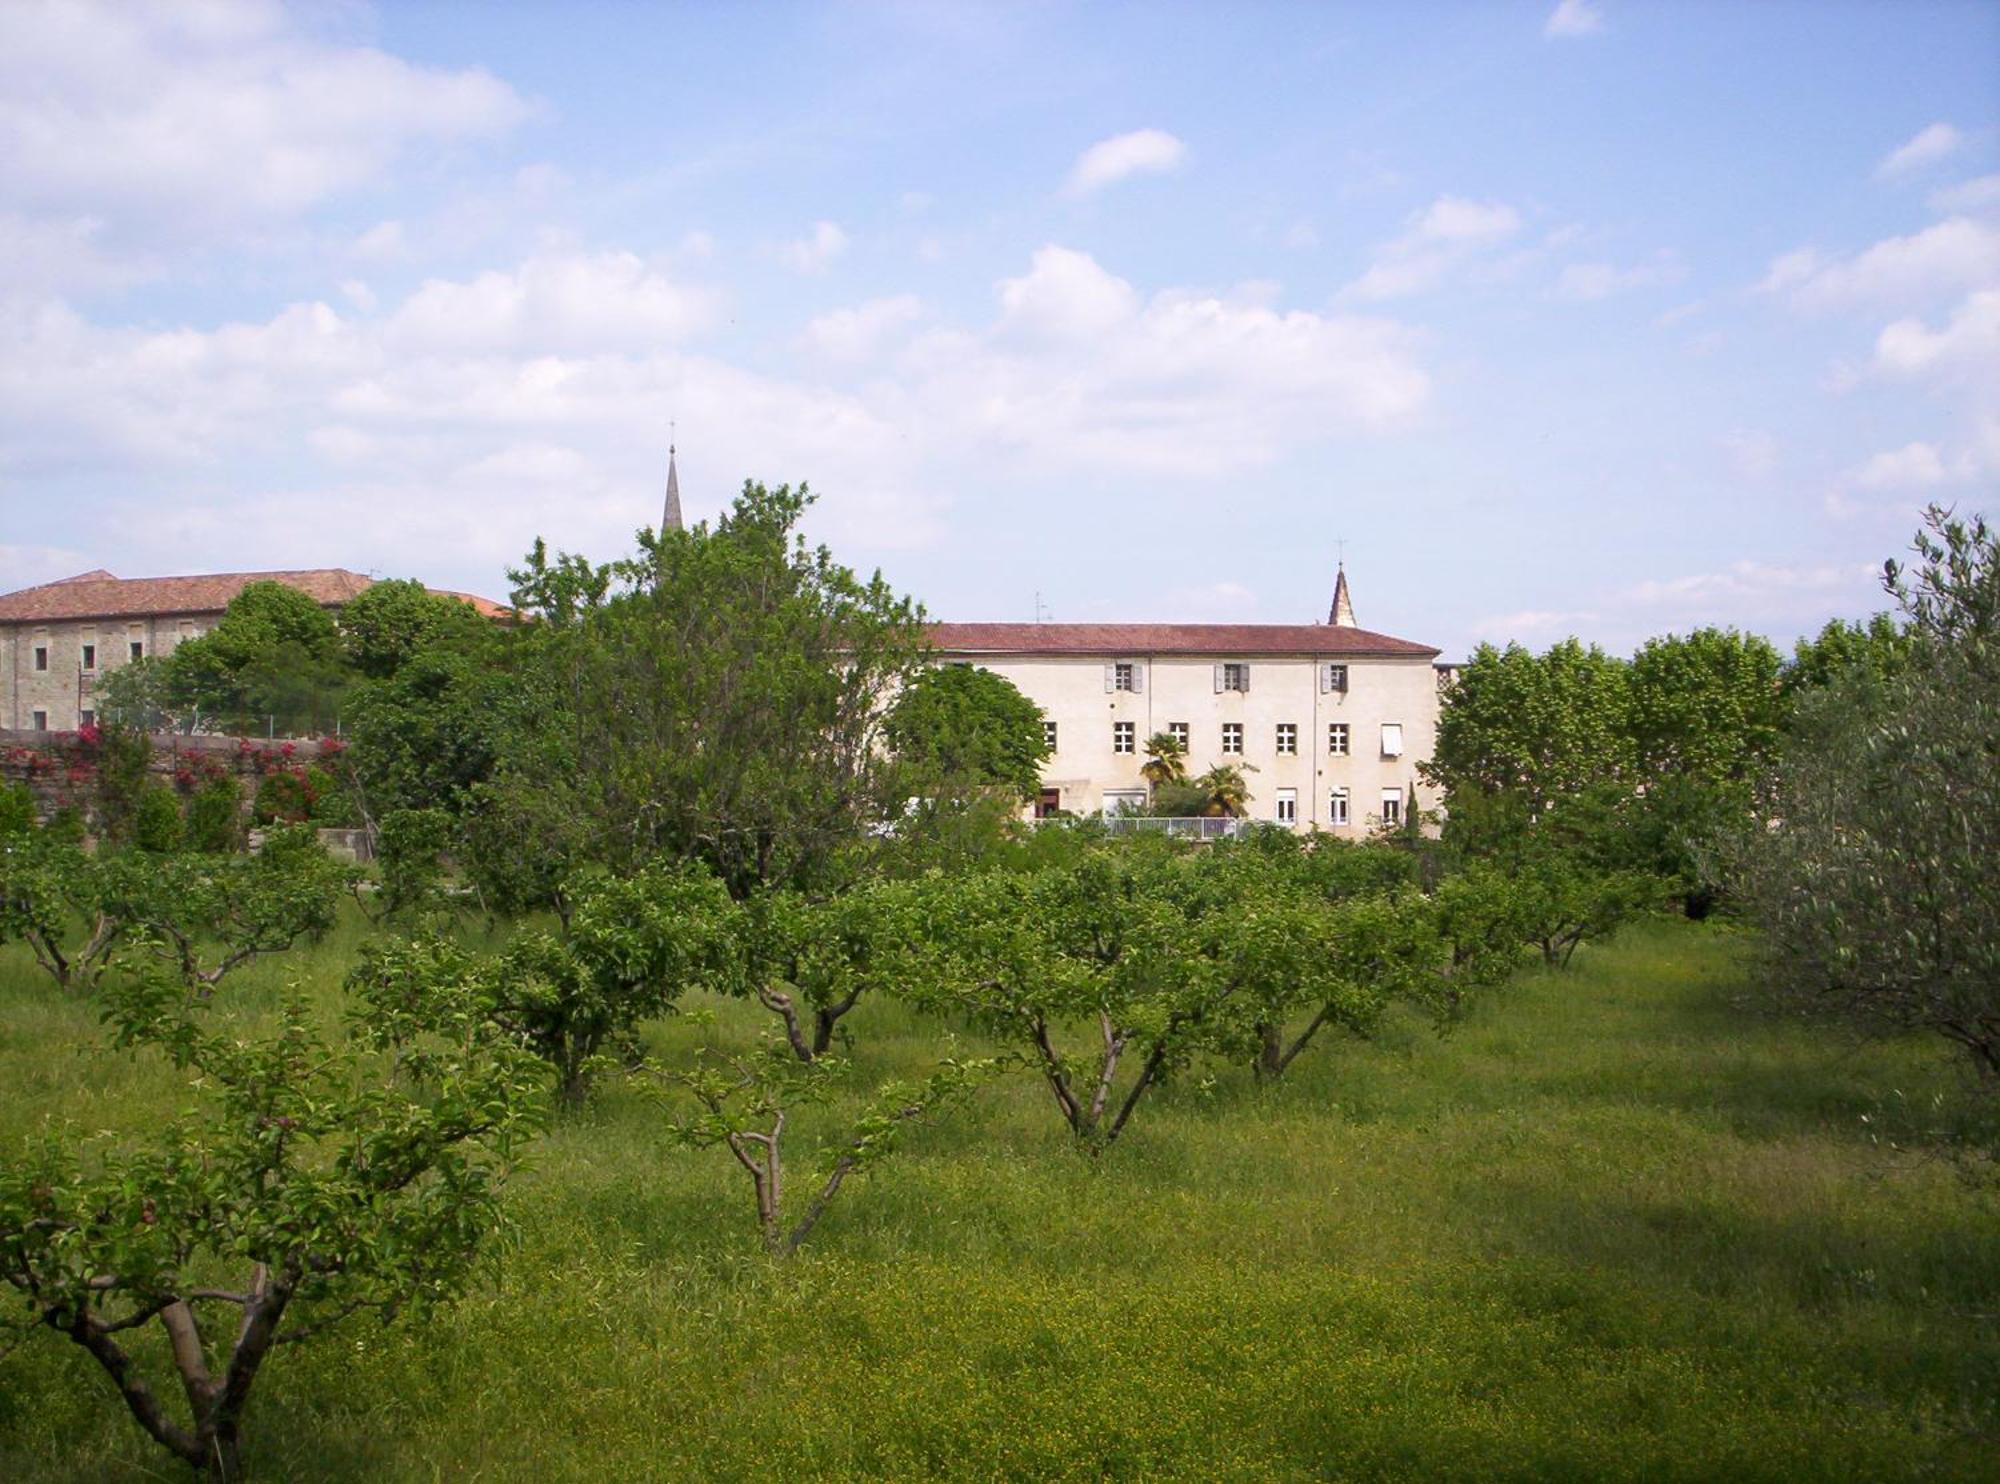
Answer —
(1181, 827)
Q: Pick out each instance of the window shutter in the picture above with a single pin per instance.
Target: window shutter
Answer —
(1110, 679)
(1218, 680)
(1325, 679)
(1138, 678)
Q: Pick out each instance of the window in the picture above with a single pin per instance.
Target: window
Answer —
(41, 721)
(1336, 738)
(1338, 813)
(41, 656)
(1123, 736)
(1048, 736)
(1048, 803)
(1234, 675)
(1288, 737)
(86, 718)
(1178, 730)
(1333, 677)
(90, 656)
(1232, 736)
(1392, 806)
(1124, 675)
(137, 649)
(1288, 806)
(1392, 739)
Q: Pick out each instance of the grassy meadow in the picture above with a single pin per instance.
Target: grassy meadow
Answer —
(1620, 1225)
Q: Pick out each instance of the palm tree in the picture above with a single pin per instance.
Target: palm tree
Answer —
(1166, 760)
(1227, 789)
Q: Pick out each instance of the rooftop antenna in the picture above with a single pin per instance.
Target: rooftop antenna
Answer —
(1042, 614)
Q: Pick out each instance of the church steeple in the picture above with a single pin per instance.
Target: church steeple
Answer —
(671, 520)
(1342, 612)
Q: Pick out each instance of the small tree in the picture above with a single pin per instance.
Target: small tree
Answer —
(631, 947)
(809, 963)
(53, 897)
(745, 1103)
(334, 1175)
(276, 653)
(209, 915)
(1098, 938)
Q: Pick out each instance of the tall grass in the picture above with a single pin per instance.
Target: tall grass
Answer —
(1622, 1224)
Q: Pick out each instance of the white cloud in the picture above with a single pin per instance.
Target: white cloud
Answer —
(169, 119)
(1969, 340)
(1589, 281)
(860, 333)
(1141, 152)
(1301, 236)
(1926, 147)
(813, 254)
(1444, 235)
(1573, 18)
(1950, 256)
(1970, 197)
(610, 301)
(1913, 466)
(451, 424)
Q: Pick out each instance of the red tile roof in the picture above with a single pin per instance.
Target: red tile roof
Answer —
(100, 595)
(1223, 639)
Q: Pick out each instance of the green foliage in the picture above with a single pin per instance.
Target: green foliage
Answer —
(1877, 646)
(427, 735)
(17, 809)
(809, 963)
(122, 757)
(215, 817)
(392, 622)
(138, 695)
(157, 825)
(409, 848)
(283, 797)
(208, 915)
(1166, 761)
(1874, 865)
(963, 726)
(1545, 726)
(1705, 706)
(744, 1103)
(724, 703)
(328, 1176)
(53, 899)
(631, 947)
(275, 659)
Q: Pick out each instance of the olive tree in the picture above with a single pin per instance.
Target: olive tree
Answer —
(1873, 865)
(323, 1175)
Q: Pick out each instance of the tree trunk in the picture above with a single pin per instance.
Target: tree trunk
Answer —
(1270, 1051)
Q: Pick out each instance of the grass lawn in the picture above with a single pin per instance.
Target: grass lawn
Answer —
(1618, 1225)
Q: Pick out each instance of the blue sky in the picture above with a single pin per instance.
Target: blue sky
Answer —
(1587, 317)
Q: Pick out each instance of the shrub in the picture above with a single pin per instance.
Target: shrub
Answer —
(283, 798)
(215, 817)
(156, 823)
(17, 809)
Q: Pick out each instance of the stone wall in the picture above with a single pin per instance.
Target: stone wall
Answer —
(60, 769)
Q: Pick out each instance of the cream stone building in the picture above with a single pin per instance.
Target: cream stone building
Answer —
(1329, 721)
(59, 640)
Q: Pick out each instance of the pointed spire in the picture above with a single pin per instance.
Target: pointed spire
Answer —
(671, 520)
(1342, 612)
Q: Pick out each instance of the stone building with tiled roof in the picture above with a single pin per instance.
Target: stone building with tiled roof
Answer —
(59, 639)
(1329, 721)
